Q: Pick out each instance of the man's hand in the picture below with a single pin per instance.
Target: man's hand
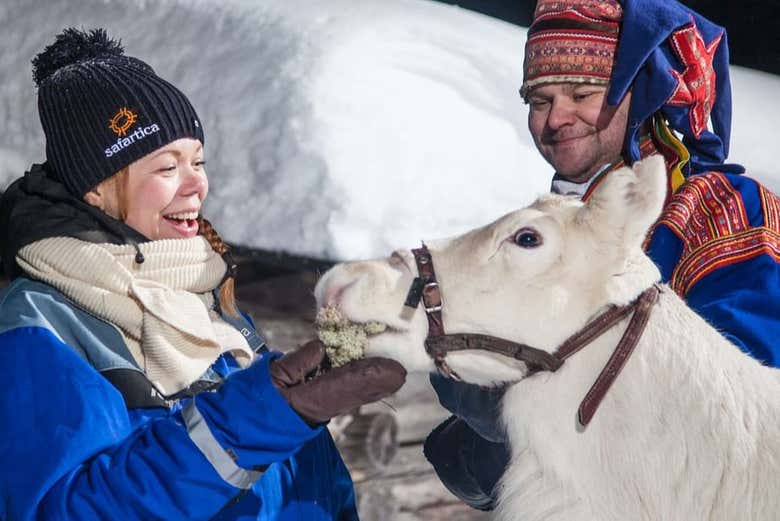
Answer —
(336, 391)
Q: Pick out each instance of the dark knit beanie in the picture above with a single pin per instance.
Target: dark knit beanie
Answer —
(101, 110)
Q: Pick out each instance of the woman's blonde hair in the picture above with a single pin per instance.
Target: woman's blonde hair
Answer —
(227, 294)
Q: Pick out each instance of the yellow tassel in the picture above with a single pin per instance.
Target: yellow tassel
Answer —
(662, 131)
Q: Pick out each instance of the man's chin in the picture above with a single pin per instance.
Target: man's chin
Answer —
(574, 175)
(569, 164)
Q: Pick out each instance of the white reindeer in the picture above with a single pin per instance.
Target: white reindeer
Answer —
(689, 430)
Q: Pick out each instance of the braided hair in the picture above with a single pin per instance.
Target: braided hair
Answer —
(227, 295)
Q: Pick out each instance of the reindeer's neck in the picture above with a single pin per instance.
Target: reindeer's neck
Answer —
(678, 424)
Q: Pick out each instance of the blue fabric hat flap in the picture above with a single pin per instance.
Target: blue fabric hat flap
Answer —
(676, 62)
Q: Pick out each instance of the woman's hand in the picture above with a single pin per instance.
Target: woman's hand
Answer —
(318, 397)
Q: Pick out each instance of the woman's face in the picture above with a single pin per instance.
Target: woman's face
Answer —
(163, 192)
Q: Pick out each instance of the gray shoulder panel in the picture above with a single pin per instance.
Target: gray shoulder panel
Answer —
(29, 303)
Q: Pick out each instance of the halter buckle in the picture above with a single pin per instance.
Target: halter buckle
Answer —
(430, 286)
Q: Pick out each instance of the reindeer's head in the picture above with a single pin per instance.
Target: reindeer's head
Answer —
(534, 276)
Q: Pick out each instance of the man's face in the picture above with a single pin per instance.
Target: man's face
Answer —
(574, 129)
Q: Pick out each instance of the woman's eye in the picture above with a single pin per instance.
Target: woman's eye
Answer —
(199, 163)
(169, 168)
(528, 238)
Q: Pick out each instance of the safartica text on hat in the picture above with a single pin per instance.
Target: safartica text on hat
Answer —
(137, 135)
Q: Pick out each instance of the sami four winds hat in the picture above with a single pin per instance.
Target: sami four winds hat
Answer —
(674, 60)
(101, 110)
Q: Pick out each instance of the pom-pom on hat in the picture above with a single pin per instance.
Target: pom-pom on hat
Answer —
(102, 110)
(674, 60)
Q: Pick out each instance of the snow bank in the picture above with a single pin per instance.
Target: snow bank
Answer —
(334, 129)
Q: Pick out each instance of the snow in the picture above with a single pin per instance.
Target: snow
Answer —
(336, 129)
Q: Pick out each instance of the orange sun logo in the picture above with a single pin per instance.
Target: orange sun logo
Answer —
(122, 121)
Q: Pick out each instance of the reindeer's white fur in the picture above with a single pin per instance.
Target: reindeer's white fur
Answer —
(689, 431)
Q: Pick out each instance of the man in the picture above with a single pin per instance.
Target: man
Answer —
(608, 83)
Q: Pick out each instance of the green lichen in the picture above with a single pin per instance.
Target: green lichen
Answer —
(374, 328)
(344, 340)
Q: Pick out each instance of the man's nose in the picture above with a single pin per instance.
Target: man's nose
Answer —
(562, 112)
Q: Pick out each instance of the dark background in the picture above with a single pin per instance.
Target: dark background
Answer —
(753, 25)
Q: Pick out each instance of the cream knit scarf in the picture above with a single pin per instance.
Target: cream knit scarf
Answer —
(163, 307)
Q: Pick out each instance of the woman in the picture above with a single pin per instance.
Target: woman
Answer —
(134, 389)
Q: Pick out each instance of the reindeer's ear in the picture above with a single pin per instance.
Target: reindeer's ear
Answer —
(629, 200)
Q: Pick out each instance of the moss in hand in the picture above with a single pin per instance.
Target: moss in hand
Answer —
(344, 340)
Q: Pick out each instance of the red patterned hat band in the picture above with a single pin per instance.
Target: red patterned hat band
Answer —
(571, 41)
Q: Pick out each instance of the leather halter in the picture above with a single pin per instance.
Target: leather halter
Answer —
(425, 287)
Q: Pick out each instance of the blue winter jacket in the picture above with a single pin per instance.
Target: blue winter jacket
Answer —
(717, 244)
(84, 436)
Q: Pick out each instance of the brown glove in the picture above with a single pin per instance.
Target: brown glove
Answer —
(335, 391)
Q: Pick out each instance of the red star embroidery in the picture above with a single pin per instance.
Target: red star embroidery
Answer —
(696, 84)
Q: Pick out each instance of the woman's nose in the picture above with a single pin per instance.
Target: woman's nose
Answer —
(194, 183)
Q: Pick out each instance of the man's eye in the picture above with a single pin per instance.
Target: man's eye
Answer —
(581, 96)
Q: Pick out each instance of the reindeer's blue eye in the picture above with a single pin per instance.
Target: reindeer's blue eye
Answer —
(528, 238)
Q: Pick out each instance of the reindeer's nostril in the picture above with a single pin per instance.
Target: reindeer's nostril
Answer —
(334, 293)
(400, 261)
